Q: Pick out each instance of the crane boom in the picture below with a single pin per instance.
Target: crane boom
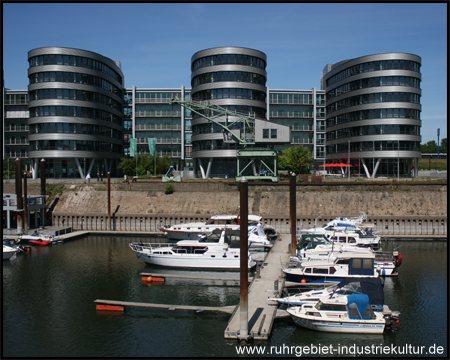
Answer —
(242, 130)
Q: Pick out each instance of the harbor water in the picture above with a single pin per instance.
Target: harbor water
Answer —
(49, 310)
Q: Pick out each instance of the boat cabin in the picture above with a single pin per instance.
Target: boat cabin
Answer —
(362, 265)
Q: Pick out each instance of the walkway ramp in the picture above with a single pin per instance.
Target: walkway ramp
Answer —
(269, 283)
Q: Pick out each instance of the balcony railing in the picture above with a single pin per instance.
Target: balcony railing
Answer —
(290, 114)
(301, 128)
(158, 127)
(16, 142)
(160, 141)
(158, 113)
(17, 128)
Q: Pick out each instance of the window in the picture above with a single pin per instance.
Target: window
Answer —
(273, 133)
(265, 133)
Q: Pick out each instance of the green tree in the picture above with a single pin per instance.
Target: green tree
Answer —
(144, 163)
(128, 166)
(443, 146)
(429, 147)
(296, 159)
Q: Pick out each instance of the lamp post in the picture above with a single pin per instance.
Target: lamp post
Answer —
(398, 160)
(438, 133)
(348, 161)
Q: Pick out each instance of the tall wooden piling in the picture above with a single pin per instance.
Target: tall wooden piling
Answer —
(109, 195)
(43, 190)
(293, 212)
(19, 197)
(25, 204)
(243, 334)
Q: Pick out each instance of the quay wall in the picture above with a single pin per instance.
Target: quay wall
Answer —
(396, 209)
(433, 226)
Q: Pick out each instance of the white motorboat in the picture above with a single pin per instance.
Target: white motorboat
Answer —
(373, 287)
(257, 236)
(349, 235)
(343, 314)
(334, 270)
(216, 251)
(340, 223)
(11, 247)
(190, 231)
(318, 247)
(8, 252)
(40, 239)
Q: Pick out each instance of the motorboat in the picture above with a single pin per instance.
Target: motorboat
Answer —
(15, 245)
(258, 235)
(318, 247)
(40, 239)
(333, 270)
(343, 314)
(218, 250)
(352, 235)
(340, 223)
(190, 231)
(8, 250)
(373, 287)
(354, 230)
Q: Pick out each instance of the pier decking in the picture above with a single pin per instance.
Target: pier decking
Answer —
(226, 309)
(269, 283)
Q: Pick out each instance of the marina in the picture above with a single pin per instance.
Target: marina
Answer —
(96, 267)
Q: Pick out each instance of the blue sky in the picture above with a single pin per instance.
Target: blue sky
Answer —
(155, 42)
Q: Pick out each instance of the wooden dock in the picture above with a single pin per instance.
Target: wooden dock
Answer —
(269, 283)
(114, 303)
(209, 280)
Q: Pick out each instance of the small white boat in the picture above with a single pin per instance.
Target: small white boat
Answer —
(373, 287)
(40, 239)
(216, 251)
(8, 252)
(349, 235)
(11, 247)
(343, 314)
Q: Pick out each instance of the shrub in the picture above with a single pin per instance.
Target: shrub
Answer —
(169, 189)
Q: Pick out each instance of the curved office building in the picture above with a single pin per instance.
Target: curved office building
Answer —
(76, 110)
(232, 77)
(373, 114)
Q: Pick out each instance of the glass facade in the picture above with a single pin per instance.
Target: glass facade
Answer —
(233, 78)
(304, 112)
(75, 111)
(16, 129)
(373, 113)
(155, 116)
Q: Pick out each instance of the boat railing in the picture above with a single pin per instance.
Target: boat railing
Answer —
(152, 246)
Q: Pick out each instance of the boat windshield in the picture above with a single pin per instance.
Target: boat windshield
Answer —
(330, 307)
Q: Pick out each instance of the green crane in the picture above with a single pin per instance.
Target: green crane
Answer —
(240, 130)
